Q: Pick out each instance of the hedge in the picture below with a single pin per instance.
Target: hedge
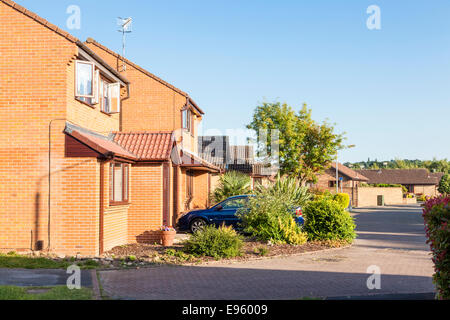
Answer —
(436, 214)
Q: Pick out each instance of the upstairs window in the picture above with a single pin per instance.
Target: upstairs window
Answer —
(92, 88)
(109, 97)
(188, 120)
(84, 79)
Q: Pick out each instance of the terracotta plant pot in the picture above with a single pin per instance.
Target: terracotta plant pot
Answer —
(167, 238)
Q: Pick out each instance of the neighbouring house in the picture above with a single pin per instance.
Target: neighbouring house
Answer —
(417, 181)
(218, 151)
(91, 156)
(348, 181)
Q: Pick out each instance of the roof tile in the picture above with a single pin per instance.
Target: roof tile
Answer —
(146, 145)
(401, 176)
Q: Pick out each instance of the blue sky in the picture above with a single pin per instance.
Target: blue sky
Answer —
(388, 89)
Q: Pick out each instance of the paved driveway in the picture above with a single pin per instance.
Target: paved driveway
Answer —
(391, 238)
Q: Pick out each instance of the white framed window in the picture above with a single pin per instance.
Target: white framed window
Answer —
(84, 79)
(114, 97)
(118, 183)
(187, 120)
(104, 96)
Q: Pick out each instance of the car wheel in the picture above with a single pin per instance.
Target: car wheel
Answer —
(197, 225)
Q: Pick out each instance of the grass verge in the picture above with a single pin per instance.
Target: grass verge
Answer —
(15, 261)
(44, 293)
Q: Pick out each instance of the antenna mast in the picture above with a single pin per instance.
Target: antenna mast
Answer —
(126, 26)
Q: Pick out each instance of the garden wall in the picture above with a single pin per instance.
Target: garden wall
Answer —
(367, 196)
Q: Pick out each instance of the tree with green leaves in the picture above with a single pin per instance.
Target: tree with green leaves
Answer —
(444, 184)
(305, 148)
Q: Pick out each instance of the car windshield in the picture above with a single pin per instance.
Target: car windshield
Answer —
(232, 203)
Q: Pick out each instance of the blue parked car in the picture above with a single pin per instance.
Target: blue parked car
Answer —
(222, 213)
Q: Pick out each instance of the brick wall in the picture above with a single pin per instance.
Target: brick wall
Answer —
(152, 106)
(367, 196)
(427, 190)
(145, 212)
(201, 191)
(37, 86)
(115, 227)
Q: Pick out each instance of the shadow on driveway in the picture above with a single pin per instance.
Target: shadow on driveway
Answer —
(215, 283)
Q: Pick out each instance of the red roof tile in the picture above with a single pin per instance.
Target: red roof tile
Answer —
(146, 145)
(352, 174)
(401, 176)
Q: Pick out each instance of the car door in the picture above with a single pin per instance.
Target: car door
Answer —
(227, 215)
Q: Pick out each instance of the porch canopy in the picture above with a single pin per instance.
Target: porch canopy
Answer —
(132, 146)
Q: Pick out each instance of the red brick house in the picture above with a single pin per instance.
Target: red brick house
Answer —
(90, 157)
(348, 179)
(417, 181)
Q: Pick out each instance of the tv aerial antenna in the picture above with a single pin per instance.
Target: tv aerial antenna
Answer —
(125, 26)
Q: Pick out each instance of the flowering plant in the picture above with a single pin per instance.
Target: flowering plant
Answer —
(436, 214)
(167, 228)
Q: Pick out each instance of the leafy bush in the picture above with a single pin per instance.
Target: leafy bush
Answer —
(422, 198)
(343, 199)
(223, 242)
(269, 218)
(444, 185)
(287, 189)
(436, 214)
(326, 220)
(232, 183)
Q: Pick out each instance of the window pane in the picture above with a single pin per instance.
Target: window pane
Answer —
(184, 113)
(114, 97)
(118, 186)
(84, 79)
(125, 182)
(111, 182)
(105, 98)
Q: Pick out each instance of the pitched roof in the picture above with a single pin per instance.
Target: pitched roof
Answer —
(400, 176)
(64, 34)
(101, 144)
(42, 21)
(352, 174)
(146, 145)
(151, 75)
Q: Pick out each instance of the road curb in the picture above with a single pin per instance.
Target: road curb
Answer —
(233, 261)
(95, 285)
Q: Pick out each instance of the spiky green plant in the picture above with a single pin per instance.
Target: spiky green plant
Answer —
(288, 189)
(232, 183)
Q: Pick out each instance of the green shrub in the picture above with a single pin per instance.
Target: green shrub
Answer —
(326, 220)
(444, 184)
(321, 194)
(269, 218)
(262, 251)
(343, 199)
(223, 242)
(232, 183)
(436, 214)
(287, 189)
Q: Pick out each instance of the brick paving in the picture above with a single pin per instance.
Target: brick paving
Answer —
(391, 238)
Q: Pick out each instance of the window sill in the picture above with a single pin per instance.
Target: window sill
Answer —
(85, 103)
(109, 113)
(118, 204)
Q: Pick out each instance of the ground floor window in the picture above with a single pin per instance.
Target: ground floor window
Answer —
(118, 183)
(189, 183)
